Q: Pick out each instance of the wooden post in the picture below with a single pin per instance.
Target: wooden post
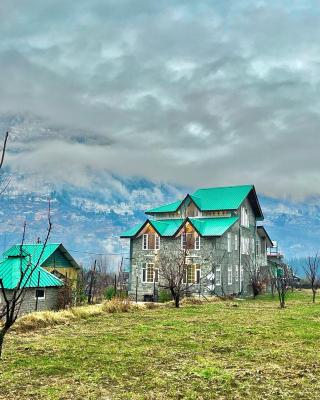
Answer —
(137, 289)
(36, 291)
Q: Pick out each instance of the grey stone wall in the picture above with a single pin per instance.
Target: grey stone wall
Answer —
(29, 303)
(213, 253)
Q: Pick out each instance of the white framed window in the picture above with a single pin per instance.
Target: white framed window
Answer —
(236, 242)
(149, 273)
(229, 274)
(193, 273)
(197, 243)
(245, 244)
(252, 246)
(244, 217)
(40, 294)
(145, 237)
(229, 242)
(156, 241)
(241, 273)
(183, 241)
(190, 241)
(218, 276)
(236, 273)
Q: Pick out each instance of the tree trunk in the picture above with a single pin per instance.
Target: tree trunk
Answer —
(2, 335)
(177, 301)
(313, 296)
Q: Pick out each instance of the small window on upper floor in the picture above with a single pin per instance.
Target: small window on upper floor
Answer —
(229, 242)
(190, 241)
(150, 241)
(244, 217)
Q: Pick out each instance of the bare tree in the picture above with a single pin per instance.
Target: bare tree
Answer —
(311, 270)
(254, 272)
(12, 302)
(172, 270)
(282, 283)
(10, 310)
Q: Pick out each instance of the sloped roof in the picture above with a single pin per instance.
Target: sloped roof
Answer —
(166, 227)
(216, 198)
(221, 198)
(34, 251)
(10, 273)
(263, 233)
(169, 227)
(213, 226)
(171, 207)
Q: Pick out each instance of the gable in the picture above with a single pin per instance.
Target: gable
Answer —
(57, 260)
(35, 250)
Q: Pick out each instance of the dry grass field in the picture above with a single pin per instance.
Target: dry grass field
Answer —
(226, 350)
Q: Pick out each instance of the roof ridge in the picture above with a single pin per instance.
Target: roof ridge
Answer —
(222, 187)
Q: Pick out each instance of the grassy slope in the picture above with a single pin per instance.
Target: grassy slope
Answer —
(214, 351)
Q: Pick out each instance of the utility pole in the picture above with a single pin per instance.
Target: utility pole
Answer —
(91, 284)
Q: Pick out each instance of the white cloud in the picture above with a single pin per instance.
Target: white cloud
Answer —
(186, 93)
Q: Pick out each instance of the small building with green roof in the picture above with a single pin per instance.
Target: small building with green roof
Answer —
(52, 267)
(41, 288)
(216, 227)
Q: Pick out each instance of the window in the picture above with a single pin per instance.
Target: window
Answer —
(190, 241)
(245, 243)
(230, 275)
(252, 246)
(236, 273)
(244, 217)
(218, 276)
(241, 273)
(40, 294)
(257, 248)
(236, 242)
(229, 243)
(156, 242)
(150, 241)
(183, 241)
(197, 243)
(149, 273)
(145, 241)
(193, 273)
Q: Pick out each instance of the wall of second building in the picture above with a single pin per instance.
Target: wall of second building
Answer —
(29, 303)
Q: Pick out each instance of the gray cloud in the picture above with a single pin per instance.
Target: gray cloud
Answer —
(191, 94)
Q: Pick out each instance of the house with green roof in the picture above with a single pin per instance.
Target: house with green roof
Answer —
(52, 267)
(218, 230)
(40, 287)
(54, 258)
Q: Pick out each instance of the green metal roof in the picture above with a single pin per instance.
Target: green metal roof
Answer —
(132, 232)
(221, 198)
(215, 199)
(169, 227)
(166, 227)
(10, 273)
(34, 250)
(171, 207)
(213, 226)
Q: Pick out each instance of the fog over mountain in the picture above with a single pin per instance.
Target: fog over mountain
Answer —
(115, 106)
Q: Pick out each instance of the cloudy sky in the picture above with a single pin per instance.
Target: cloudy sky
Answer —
(181, 93)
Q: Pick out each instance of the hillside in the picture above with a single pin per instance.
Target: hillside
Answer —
(226, 350)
